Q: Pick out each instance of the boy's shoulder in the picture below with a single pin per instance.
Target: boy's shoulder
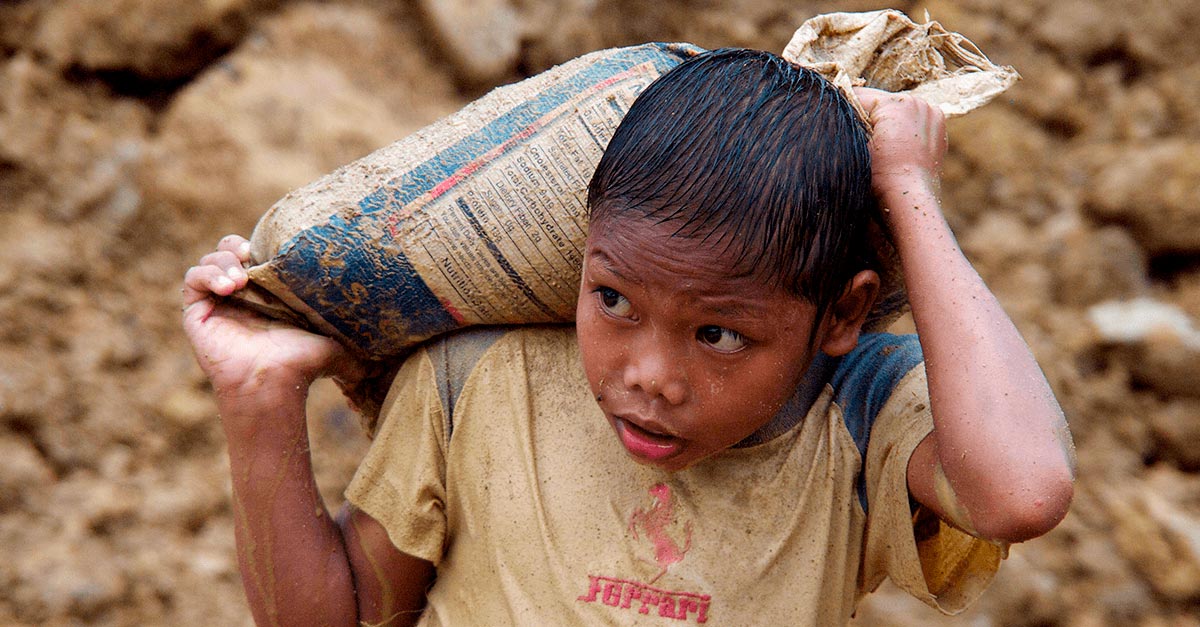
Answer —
(517, 350)
(866, 377)
(879, 360)
(458, 353)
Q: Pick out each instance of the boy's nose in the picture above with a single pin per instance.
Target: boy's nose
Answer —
(656, 372)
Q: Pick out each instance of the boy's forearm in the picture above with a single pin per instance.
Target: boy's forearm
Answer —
(1000, 436)
(290, 552)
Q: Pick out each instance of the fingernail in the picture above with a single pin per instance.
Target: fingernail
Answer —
(244, 249)
(223, 283)
(235, 272)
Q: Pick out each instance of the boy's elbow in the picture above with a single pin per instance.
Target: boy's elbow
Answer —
(1029, 511)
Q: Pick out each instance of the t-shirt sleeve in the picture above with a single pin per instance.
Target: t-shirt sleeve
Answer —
(942, 566)
(401, 482)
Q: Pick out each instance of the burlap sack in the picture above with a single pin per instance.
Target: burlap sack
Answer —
(886, 50)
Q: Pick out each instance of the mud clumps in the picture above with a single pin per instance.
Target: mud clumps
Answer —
(135, 133)
(1153, 187)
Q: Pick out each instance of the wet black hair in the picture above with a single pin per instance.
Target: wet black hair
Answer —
(764, 157)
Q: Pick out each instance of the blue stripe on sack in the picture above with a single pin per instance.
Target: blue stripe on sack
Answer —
(341, 296)
(420, 180)
(331, 276)
(864, 381)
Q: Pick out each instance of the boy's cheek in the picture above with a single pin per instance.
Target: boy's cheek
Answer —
(591, 349)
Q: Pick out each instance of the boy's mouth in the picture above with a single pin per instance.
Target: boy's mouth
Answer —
(644, 444)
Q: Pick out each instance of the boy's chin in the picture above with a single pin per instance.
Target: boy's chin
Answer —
(668, 466)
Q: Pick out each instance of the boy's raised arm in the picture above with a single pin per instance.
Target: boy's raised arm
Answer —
(1000, 461)
(298, 565)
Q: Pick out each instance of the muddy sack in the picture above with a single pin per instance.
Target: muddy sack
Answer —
(887, 50)
(478, 218)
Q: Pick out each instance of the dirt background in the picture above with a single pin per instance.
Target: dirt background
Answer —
(133, 133)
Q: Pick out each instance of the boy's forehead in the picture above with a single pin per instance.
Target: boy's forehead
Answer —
(634, 243)
(645, 252)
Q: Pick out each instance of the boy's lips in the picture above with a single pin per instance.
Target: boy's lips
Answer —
(644, 444)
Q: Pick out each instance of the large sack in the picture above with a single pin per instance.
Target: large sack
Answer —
(476, 219)
(480, 217)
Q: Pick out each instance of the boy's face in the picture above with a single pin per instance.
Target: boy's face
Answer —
(685, 359)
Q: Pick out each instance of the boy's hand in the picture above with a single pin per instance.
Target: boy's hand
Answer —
(261, 370)
(908, 145)
(247, 357)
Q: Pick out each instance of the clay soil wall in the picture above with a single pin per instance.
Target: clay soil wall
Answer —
(133, 133)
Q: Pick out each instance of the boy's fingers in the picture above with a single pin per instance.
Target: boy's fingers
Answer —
(197, 311)
(872, 99)
(227, 262)
(867, 100)
(867, 96)
(878, 100)
(204, 280)
(237, 245)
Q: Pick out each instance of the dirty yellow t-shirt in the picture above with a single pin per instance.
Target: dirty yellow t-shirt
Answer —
(494, 462)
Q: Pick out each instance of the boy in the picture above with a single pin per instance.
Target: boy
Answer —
(770, 464)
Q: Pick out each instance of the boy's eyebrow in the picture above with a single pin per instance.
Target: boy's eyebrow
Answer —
(737, 310)
(609, 264)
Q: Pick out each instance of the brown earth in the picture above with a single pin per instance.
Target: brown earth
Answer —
(133, 133)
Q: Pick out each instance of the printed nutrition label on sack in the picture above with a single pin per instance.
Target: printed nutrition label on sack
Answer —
(506, 243)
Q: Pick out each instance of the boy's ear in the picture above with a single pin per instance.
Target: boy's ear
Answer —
(846, 316)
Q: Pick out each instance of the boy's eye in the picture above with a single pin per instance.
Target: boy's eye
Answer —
(721, 339)
(614, 303)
